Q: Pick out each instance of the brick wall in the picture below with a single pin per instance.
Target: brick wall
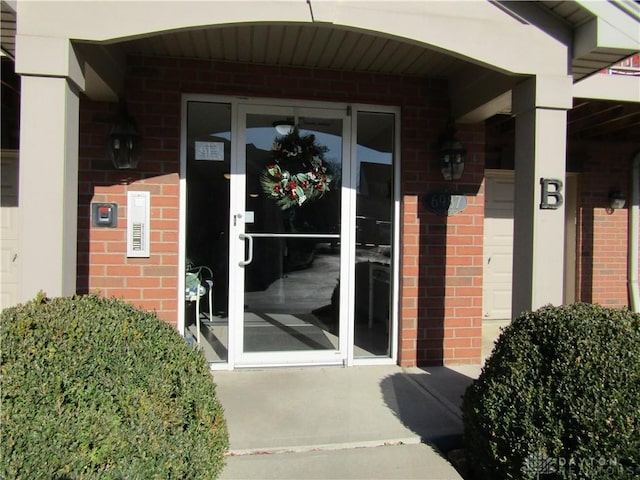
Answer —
(442, 264)
(103, 266)
(602, 234)
(441, 271)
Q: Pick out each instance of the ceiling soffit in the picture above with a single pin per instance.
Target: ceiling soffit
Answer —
(301, 45)
(327, 47)
(8, 30)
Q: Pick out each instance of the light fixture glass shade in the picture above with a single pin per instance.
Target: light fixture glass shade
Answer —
(445, 167)
(452, 156)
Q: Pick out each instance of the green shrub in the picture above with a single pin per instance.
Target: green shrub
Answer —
(95, 388)
(559, 398)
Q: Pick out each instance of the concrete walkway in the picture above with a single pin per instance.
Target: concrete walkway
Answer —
(342, 423)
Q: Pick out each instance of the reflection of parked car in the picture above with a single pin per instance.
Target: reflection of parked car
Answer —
(372, 293)
(371, 231)
(373, 221)
(374, 205)
(299, 253)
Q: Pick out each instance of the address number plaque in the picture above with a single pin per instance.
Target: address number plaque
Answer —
(445, 203)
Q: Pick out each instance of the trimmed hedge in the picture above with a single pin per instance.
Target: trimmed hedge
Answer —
(95, 388)
(559, 398)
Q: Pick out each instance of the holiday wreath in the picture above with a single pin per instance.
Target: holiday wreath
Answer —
(297, 171)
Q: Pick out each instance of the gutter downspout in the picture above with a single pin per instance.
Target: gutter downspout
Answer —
(632, 274)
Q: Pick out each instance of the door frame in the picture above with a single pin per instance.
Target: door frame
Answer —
(237, 246)
(348, 212)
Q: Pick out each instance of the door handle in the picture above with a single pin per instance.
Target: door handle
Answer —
(244, 263)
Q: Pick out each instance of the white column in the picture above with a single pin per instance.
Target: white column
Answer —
(540, 106)
(48, 188)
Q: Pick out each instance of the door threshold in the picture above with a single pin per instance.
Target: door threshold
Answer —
(261, 366)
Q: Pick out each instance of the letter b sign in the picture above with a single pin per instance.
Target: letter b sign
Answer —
(551, 188)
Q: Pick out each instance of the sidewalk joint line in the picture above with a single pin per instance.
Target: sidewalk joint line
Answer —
(451, 407)
(324, 447)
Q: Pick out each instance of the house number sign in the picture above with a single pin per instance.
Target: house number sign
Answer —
(444, 204)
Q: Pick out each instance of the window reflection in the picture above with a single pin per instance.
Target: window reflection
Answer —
(374, 233)
(207, 220)
(292, 283)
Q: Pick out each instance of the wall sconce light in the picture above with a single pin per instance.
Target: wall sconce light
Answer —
(451, 154)
(616, 200)
(123, 142)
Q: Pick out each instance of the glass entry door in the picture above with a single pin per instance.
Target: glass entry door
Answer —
(289, 240)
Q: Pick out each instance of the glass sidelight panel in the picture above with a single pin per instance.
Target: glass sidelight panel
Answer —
(292, 271)
(207, 226)
(374, 233)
